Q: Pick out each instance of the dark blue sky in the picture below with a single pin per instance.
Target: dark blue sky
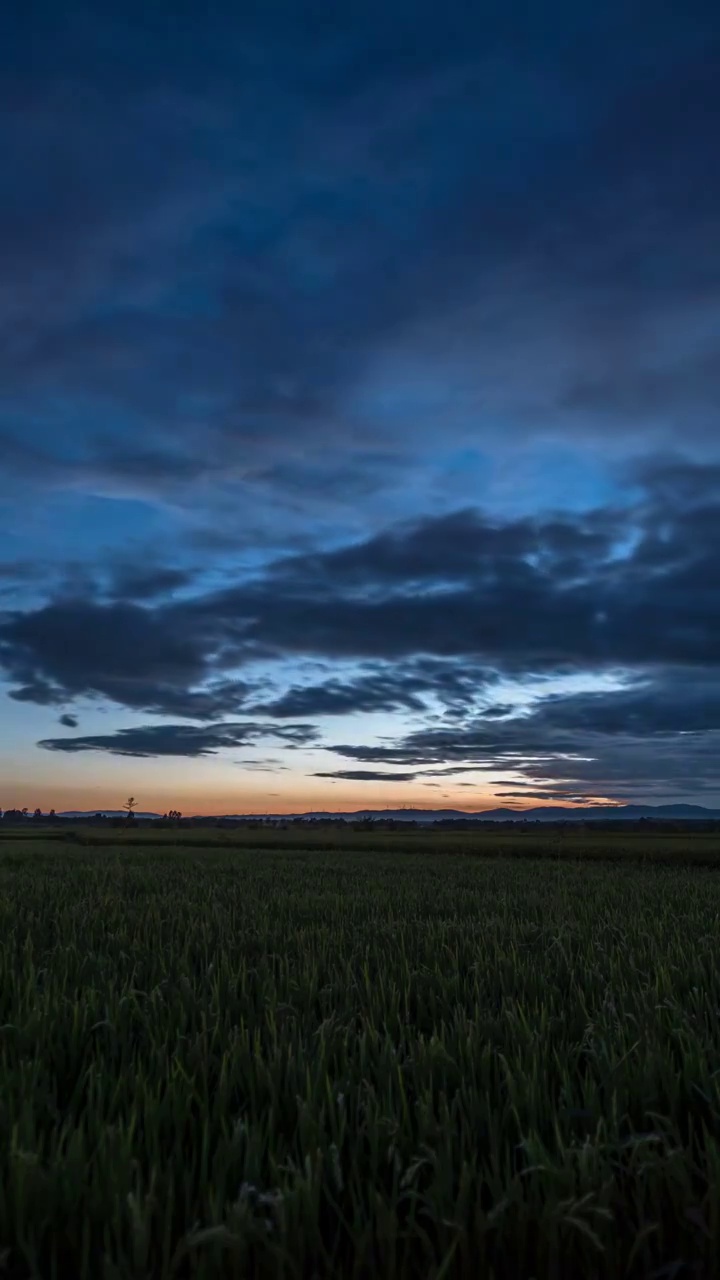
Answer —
(359, 404)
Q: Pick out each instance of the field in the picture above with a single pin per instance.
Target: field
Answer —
(281, 1055)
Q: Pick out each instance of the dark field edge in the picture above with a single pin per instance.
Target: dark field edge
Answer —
(691, 849)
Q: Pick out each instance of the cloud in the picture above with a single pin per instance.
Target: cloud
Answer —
(367, 775)
(371, 775)
(68, 721)
(305, 244)
(269, 765)
(640, 742)
(14, 571)
(549, 793)
(147, 741)
(613, 587)
(384, 688)
(455, 550)
(142, 582)
(437, 619)
(438, 607)
(131, 654)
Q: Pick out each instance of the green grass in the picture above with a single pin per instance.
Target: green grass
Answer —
(269, 1062)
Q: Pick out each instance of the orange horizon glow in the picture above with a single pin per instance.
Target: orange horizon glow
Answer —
(91, 798)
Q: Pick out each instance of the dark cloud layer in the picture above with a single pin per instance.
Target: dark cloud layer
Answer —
(445, 609)
(634, 587)
(386, 688)
(232, 250)
(123, 652)
(661, 738)
(180, 739)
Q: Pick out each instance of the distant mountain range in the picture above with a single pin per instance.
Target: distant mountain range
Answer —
(558, 813)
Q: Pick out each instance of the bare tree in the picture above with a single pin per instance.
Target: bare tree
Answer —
(130, 806)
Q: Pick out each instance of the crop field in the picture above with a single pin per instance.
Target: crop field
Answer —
(226, 1056)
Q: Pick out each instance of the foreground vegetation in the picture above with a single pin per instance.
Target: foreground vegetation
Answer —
(234, 1061)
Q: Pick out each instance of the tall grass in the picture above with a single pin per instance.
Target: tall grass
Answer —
(228, 1063)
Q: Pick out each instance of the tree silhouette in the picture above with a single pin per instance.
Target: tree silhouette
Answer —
(37, 813)
(129, 806)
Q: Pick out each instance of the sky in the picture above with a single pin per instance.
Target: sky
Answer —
(359, 404)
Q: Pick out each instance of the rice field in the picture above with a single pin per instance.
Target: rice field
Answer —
(229, 1060)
